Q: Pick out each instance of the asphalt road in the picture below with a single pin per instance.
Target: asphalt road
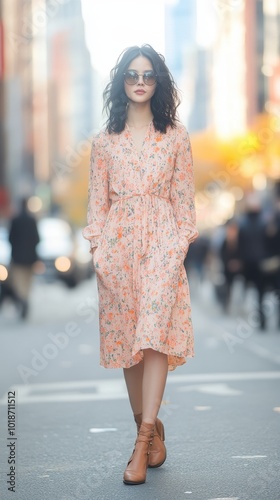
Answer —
(74, 430)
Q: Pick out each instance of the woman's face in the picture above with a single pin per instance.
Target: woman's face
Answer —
(139, 92)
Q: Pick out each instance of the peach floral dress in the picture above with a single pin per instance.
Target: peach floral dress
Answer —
(141, 220)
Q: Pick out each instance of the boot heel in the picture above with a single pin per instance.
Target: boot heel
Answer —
(160, 428)
(158, 450)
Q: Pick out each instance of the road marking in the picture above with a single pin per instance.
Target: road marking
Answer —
(219, 389)
(202, 408)
(225, 377)
(84, 390)
(225, 498)
(110, 389)
(249, 456)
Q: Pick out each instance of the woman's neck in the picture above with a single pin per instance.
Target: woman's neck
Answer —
(138, 116)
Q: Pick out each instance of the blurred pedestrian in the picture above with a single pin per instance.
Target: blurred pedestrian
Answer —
(230, 259)
(24, 238)
(141, 220)
(252, 250)
(197, 256)
(271, 263)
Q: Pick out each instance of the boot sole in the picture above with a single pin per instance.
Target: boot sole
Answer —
(133, 483)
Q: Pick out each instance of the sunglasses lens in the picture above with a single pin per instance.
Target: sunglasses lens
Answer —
(131, 77)
(149, 78)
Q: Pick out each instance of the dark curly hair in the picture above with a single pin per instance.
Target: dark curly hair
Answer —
(164, 102)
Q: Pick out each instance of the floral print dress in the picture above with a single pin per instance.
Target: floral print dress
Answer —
(141, 220)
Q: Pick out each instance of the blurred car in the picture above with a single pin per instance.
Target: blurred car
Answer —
(62, 254)
(5, 253)
(6, 289)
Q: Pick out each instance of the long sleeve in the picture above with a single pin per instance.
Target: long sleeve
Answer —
(98, 198)
(182, 190)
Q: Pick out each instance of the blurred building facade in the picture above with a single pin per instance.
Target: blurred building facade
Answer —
(246, 54)
(227, 61)
(16, 92)
(223, 73)
(269, 18)
(47, 90)
(188, 63)
(3, 193)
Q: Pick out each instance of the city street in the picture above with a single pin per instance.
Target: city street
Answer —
(143, 135)
(74, 429)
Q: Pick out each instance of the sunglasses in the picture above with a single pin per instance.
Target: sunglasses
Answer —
(131, 77)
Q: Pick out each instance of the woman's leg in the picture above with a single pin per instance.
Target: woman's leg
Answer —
(145, 384)
(133, 378)
(147, 381)
(154, 380)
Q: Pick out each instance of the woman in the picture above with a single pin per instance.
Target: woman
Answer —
(141, 220)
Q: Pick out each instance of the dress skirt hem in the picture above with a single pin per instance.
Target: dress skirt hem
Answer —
(173, 361)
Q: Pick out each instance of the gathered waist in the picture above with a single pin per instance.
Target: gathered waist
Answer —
(116, 198)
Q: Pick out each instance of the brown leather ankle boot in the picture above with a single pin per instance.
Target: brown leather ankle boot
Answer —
(158, 453)
(136, 470)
